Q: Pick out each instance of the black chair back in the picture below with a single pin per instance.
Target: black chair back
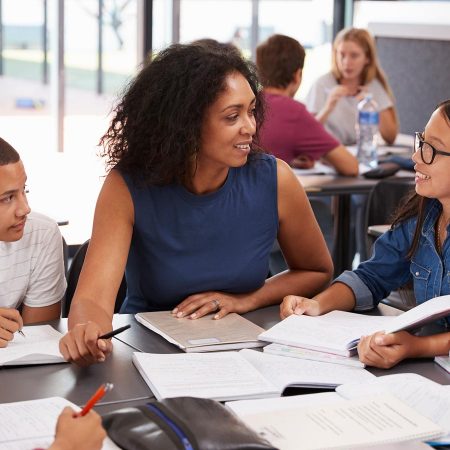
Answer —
(72, 281)
(384, 199)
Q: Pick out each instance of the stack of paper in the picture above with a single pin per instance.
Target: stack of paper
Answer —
(204, 334)
(303, 353)
(40, 345)
(237, 375)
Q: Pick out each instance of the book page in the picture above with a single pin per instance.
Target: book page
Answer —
(425, 312)
(331, 332)
(220, 375)
(429, 398)
(39, 346)
(282, 371)
(31, 424)
(204, 331)
(344, 424)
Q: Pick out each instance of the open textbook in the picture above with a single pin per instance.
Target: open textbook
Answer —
(237, 375)
(339, 331)
(40, 345)
(204, 334)
(328, 421)
(31, 424)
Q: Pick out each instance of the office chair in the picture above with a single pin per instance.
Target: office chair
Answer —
(72, 281)
(65, 255)
(324, 217)
(383, 201)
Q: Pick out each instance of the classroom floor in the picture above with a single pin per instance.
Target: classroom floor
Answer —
(63, 185)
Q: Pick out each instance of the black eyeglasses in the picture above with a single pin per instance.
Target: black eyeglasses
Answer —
(427, 151)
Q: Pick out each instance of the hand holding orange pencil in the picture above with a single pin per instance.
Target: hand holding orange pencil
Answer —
(99, 393)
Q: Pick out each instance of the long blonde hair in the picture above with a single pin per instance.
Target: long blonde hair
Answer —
(372, 70)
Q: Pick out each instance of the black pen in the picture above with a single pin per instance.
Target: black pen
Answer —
(114, 332)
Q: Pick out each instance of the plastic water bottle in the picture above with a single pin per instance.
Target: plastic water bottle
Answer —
(367, 131)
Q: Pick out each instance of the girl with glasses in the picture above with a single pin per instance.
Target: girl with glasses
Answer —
(415, 250)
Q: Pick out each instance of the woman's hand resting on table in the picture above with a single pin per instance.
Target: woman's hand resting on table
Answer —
(198, 305)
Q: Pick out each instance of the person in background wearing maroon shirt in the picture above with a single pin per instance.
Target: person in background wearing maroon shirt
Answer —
(290, 132)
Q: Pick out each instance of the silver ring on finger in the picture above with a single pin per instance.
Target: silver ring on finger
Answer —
(216, 304)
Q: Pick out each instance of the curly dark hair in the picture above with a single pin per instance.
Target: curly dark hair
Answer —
(155, 133)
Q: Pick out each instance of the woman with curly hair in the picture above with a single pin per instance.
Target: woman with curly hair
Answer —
(190, 208)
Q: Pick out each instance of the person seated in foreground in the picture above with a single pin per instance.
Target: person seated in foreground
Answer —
(32, 277)
(416, 248)
(290, 132)
(74, 432)
(191, 207)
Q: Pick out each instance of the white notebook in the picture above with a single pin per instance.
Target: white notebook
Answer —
(339, 331)
(31, 424)
(204, 334)
(40, 345)
(327, 421)
(237, 375)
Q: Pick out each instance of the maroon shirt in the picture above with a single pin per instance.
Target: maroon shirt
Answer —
(289, 130)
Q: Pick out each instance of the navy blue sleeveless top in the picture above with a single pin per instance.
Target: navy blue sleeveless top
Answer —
(184, 244)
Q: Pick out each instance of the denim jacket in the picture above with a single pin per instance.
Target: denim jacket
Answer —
(388, 268)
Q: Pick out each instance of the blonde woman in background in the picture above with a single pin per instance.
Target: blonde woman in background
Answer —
(355, 71)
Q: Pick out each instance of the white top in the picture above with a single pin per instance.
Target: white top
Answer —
(32, 268)
(342, 120)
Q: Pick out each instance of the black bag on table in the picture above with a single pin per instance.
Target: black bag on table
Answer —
(181, 423)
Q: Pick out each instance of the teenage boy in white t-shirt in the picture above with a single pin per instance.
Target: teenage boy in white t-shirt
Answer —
(32, 277)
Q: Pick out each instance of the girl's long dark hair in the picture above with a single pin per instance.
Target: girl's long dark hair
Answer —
(415, 204)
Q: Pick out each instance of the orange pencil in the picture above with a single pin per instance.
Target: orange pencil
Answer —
(100, 392)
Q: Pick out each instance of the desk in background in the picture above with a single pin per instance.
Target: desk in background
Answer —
(341, 189)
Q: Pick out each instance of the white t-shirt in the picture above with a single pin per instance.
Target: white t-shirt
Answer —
(342, 120)
(32, 268)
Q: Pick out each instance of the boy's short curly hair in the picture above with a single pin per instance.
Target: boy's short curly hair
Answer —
(277, 59)
(155, 133)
